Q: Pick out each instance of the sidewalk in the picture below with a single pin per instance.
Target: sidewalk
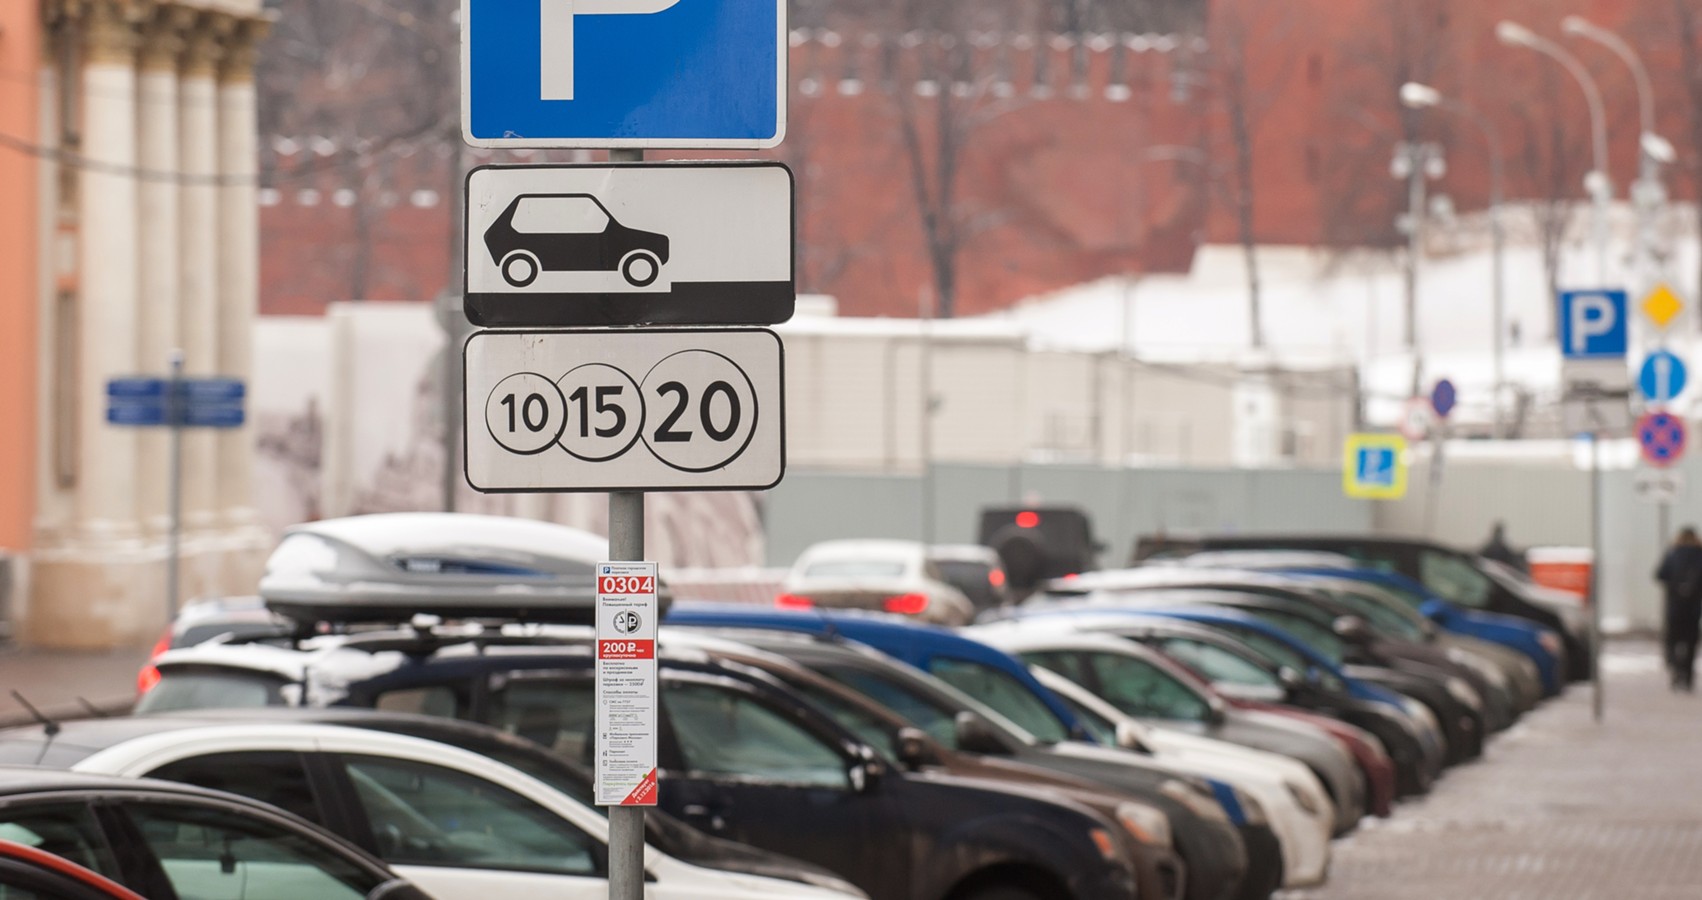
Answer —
(52, 681)
(1559, 809)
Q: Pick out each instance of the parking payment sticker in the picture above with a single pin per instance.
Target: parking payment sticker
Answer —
(626, 684)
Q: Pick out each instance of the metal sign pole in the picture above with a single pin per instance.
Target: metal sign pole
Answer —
(1596, 699)
(174, 488)
(626, 542)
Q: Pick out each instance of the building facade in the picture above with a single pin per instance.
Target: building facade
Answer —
(141, 174)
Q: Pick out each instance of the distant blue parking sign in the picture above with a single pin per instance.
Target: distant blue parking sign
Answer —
(623, 73)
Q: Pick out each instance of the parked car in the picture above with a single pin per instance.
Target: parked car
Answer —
(460, 824)
(884, 576)
(27, 873)
(741, 757)
(1461, 578)
(976, 571)
(183, 841)
(1036, 543)
(1222, 861)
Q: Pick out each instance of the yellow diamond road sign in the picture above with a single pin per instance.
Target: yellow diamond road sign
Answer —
(1662, 306)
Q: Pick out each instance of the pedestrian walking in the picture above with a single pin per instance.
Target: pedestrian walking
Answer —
(1681, 575)
(1499, 550)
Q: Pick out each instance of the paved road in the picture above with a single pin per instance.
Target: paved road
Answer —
(1560, 809)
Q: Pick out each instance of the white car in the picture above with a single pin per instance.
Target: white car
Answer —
(1299, 808)
(881, 576)
(459, 825)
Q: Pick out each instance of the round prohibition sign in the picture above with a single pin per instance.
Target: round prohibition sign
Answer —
(1662, 438)
(526, 413)
(706, 407)
(605, 412)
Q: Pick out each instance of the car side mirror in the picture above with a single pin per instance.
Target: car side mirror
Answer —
(1291, 678)
(913, 749)
(1352, 629)
(976, 735)
(1129, 738)
(1217, 713)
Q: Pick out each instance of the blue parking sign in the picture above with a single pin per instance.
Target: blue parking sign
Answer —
(1374, 467)
(1593, 324)
(624, 73)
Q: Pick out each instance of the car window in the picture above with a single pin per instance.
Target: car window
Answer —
(275, 777)
(1009, 697)
(439, 700)
(1141, 689)
(1102, 729)
(202, 689)
(429, 815)
(557, 714)
(1216, 663)
(938, 721)
(855, 568)
(726, 732)
(1384, 618)
(1320, 639)
(559, 215)
(866, 726)
(1285, 655)
(215, 854)
(1454, 579)
(68, 830)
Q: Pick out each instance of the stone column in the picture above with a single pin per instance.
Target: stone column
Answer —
(105, 504)
(197, 247)
(239, 258)
(157, 136)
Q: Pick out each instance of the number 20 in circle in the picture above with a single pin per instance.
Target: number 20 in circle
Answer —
(526, 413)
(701, 410)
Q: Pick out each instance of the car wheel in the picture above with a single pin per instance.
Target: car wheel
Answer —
(640, 268)
(520, 268)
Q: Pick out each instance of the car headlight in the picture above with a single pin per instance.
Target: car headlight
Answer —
(1303, 798)
(1251, 808)
(1147, 825)
(1196, 798)
(1551, 642)
(1462, 691)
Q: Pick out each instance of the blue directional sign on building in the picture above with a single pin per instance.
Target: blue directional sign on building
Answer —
(624, 73)
(1662, 377)
(1593, 324)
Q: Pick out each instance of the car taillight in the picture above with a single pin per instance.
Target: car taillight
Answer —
(996, 577)
(793, 601)
(1028, 519)
(150, 674)
(908, 604)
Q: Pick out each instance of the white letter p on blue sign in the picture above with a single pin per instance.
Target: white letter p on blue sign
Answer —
(1593, 324)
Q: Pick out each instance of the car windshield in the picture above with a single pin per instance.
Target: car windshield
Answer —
(1218, 664)
(1285, 655)
(192, 689)
(1316, 636)
(1381, 617)
(1002, 692)
(855, 568)
(1454, 579)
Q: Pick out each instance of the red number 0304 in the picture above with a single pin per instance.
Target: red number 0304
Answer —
(626, 584)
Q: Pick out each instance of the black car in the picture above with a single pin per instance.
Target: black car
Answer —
(165, 840)
(540, 233)
(1036, 543)
(1458, 577)
(740, 757)
(1219, 864)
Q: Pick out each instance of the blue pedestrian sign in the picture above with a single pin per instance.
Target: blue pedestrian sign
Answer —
(1593, 324)
(1444, 397)
(623, 73)
(1662, 377)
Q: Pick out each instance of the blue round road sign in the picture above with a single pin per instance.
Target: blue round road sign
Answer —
(1443, 397)
(1662, 377)
(1662, 437)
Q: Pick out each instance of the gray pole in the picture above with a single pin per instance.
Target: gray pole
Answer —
(1415, 215)
(1596, 699)
(174, 487)
(626, 543)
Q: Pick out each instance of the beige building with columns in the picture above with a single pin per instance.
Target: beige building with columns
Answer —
(149, 244)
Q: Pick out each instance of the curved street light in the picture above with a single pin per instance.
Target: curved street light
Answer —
(1419, 96)
(1597, 183)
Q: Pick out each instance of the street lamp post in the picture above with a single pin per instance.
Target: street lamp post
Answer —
(1418, 96)
(1647, 194)
(1598, 184)
(1415, 162)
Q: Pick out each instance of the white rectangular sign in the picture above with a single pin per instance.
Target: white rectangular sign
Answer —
(668, 243)
(1658, 485)
(657, 409)
(626, 696)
